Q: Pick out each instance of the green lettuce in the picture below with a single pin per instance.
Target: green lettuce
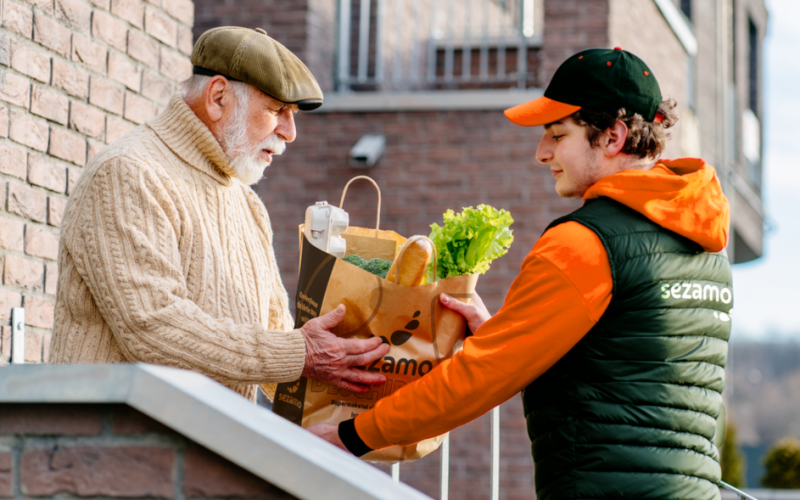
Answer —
(468, 242)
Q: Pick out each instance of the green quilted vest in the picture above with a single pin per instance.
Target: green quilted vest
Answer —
(630, 411)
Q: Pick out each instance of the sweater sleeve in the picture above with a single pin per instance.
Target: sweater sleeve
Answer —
(562, 290)
(124, 239)
(280, 318)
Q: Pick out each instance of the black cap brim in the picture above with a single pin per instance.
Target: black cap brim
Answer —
(309, 105)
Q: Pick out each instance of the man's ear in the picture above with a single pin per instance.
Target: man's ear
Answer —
(217, 97)
(616, 136)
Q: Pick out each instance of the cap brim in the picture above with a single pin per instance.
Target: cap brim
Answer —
(309, 105)
(539, 111)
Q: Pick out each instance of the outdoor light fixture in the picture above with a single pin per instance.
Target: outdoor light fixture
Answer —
(367, 151)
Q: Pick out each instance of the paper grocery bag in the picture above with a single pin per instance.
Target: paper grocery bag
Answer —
(422, 333)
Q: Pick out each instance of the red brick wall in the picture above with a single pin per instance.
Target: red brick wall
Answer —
(571, 26)
(111, 451)
(433, 161)
(284, 20)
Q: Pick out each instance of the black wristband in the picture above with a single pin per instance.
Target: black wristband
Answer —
(350, 438)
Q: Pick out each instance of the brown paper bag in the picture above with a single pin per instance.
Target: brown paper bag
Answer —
(420, 330)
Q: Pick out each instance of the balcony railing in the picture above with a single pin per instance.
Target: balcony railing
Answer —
(436, 44)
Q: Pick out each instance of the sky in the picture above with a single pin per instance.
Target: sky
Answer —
(766, 305)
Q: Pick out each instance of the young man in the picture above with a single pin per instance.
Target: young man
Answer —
(616, 328)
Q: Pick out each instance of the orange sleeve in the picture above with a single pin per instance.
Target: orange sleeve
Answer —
(562, 290)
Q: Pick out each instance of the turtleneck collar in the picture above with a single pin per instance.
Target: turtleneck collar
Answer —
(190, 139)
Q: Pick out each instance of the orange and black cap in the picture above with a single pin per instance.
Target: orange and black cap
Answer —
(598, 79)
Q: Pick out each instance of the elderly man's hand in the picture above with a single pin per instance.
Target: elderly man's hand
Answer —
(332, 359)
(328, 432)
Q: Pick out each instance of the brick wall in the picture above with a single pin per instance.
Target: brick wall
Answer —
(284, 20)
(659, 49)
(570, 26)
(433, 161)
(75, 75)
(49, 451)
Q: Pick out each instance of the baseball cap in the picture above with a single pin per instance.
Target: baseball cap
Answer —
(252, 56)
(603, 79)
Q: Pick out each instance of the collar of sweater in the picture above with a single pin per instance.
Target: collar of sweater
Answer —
(190, 139)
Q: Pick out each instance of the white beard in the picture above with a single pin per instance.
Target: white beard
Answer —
(246, 162)
(249, 166)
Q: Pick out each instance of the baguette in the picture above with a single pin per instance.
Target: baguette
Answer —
(415, 254)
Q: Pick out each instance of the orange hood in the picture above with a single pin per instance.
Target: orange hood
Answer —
(682, 195)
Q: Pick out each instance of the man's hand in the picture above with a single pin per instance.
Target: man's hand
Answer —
(329, 433)
(331, 359)
(475, 313)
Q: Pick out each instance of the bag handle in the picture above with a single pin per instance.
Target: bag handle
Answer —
(403, 252)
(344, 192)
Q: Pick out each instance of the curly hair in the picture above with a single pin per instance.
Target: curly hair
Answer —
(645, 139)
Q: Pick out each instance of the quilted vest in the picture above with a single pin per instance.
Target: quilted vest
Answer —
(630, 412)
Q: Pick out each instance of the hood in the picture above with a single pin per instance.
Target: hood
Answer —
(682, 195)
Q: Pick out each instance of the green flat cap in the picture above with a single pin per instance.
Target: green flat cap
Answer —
(251, 56)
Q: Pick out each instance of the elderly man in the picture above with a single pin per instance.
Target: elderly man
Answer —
(166, 254)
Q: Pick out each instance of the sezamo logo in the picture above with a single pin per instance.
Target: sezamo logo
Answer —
(696, 291)
(290, 400)
(294, 388)
(392, 365)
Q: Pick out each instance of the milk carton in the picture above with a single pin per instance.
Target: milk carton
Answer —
(324, 224)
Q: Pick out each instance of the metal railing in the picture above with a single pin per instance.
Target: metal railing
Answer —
(444, 473)
(434, 44)
(17, 335)
(739, 493)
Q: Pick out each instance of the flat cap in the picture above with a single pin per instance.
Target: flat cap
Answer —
(252, 56)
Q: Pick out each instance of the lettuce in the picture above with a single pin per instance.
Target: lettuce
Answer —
(468, 242)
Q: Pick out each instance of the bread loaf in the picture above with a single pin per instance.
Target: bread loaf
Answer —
(412, 261)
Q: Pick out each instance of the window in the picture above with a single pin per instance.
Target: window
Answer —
(752, 76)
(686, 8)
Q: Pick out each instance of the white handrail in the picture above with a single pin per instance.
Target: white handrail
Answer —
(742, 495)
(444, 478)
(444, 474)
(197, 407)
(18, 335)
(496, 453)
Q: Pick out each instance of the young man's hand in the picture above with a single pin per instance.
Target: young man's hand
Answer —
(328, 432)
(332, 359)
(475, 313)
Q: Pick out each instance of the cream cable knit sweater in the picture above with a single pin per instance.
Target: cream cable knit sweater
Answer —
(166, 258)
